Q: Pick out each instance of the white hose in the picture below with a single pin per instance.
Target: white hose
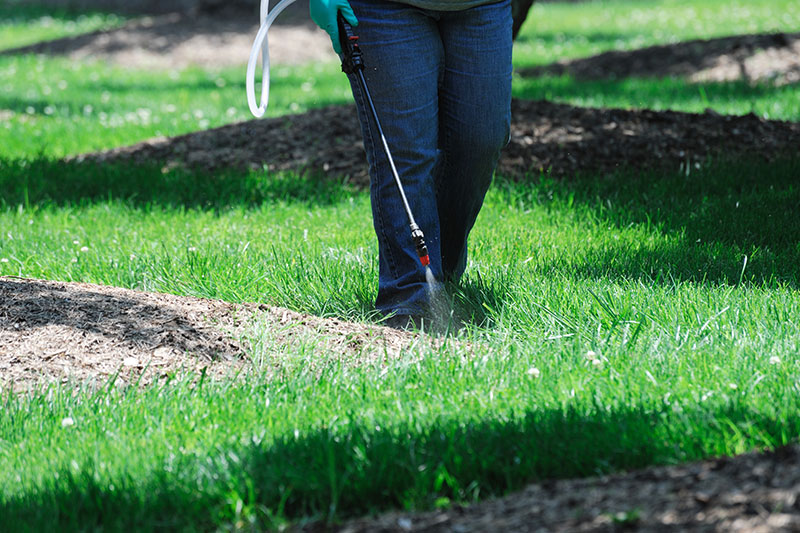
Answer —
(261, 44)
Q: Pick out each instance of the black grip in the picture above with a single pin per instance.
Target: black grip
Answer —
(351, 53)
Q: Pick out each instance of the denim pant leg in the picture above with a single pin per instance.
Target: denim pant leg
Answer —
(403, 55)
(474, 120)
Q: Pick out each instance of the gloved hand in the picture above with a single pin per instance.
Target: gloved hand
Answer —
(323, 13)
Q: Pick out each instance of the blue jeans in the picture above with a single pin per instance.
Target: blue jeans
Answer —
(441, 84)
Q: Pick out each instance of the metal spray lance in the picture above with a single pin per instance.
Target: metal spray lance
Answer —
(353, 63)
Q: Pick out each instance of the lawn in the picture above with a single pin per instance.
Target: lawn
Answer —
(22, 24)
(615, 322)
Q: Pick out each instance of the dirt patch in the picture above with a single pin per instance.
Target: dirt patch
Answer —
(177, 40)
(545, 136)
(772, 58)
(74, 332)
(51, 331)
(751, 493)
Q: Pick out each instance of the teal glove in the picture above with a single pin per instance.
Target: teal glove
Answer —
(323, 13)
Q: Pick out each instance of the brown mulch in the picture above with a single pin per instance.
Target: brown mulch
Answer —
(563, 139)
(750, 493)
(78, 332)
(773, 57)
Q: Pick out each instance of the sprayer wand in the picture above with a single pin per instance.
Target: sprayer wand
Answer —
(353, 63)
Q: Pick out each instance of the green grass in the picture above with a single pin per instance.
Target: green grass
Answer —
(615, 321)
(732, 98)
(559, 31)
(427, 431)
(25, 24)
(54, 107)
(58, 107)
(167, 232)
(555, 31)
(695, 355)
(720, 214)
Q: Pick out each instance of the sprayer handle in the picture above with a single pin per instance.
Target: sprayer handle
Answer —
(351, 53)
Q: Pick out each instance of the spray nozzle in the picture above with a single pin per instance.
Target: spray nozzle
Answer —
(419, 244)
(348, 40)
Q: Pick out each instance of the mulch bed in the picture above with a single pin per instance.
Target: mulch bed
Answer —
(750, 493)
(545, 137)
(772, 57)
(74, 333)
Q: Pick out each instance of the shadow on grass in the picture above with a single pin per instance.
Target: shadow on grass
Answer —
(720, 213)
(47, 182)
(357, 468)
(660, 94)
(17, 11)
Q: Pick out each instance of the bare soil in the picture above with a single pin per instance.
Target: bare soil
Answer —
(74, 331)
(750, 493)
(770, 58)
(545, 137)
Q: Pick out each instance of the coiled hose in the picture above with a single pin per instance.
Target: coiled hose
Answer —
(261, 44)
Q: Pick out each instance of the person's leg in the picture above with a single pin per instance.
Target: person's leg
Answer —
(474, 119)
(403, 56)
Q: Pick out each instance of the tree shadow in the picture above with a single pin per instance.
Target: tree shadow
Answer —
(720, 59)
(47, 182)
(732, 220)
(359, 468)
(16, 11)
